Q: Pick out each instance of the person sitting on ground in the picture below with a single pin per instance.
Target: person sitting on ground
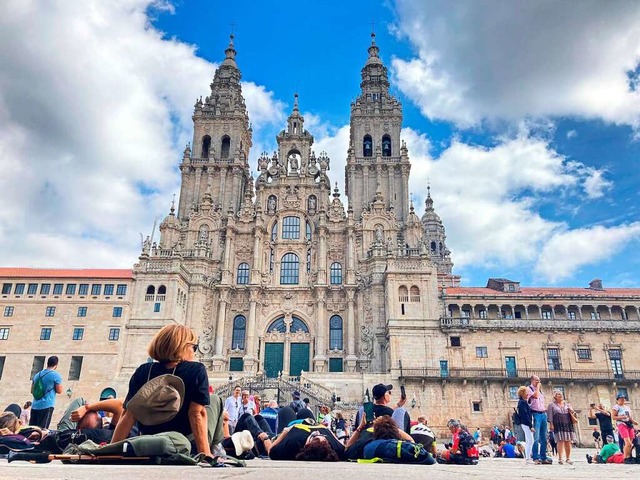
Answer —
(342, 431)
(422, 434)
(381, 406)
(391, 444)
(309, 442)
(173, 349)
(462, 450)
(25, 415)
(366, 433)
(270, 414)
(610, 453)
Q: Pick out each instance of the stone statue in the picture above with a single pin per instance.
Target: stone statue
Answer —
(271, 204)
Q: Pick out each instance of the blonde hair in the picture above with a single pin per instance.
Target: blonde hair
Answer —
(170, 342)
(10, 421)
(522, 390)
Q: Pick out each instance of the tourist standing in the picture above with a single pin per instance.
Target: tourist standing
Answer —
(624, 423)
(539, 410)
(50, 383)
(526, 422)
(561, 418)
(603, 416)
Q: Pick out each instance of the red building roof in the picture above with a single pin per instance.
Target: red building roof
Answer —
(9, 272)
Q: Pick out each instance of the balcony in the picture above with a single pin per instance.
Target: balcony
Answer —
(520, 375)
(541, 324)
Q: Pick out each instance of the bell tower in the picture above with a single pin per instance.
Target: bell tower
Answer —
(377, 159)
(217, 163)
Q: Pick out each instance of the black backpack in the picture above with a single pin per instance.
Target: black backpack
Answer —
(515, 418)
(467, 445)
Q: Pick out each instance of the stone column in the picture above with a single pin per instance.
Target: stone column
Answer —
(526, 312)
(352, 359)
(610, 314)
(195, 198)
(223, 181)
(579, 311)
(320, 359)
(250, 358)
(256, 268)
(220, 359)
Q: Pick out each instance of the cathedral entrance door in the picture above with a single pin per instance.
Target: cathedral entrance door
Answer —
(273, 359)
(298, 358)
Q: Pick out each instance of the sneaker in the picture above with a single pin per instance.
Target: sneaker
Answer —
(589, 458)
(629, 460)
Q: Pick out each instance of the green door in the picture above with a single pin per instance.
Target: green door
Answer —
(299, 358)
(273, 357)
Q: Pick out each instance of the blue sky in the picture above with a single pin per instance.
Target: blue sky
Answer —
(524, 116)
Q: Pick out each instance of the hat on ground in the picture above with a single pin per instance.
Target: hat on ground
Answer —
(242, 441)
(609, 438)
(296, 395)
(14, 408)
(621, 395)
(380, 389)
(158, 401)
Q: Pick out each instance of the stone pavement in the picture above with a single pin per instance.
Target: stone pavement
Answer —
(494, 468)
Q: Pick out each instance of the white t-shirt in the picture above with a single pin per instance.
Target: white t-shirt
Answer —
(622, 411)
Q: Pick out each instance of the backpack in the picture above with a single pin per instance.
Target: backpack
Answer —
(397, 451)
(468, 445)
(38, 388)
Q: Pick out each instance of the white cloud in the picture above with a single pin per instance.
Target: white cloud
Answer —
(572, 134)
(511, 60)
(95, 110)
(567, 251)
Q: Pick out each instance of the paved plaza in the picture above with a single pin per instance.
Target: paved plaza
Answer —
(495, 468)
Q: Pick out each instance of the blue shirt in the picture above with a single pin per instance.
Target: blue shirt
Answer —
(271, 416)
(51, 379)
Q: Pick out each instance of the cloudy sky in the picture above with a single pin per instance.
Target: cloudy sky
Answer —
(524, 116)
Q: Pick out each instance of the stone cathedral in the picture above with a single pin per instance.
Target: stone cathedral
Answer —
(275, 272)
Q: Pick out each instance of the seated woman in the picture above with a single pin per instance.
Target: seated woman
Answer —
(383, 428)
(173, 349)
(308, 442)
(10, 437)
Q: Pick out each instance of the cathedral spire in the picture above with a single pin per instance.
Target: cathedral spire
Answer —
(230, 53)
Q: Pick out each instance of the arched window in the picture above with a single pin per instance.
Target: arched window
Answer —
(277, 326)
(335, 333)
(239, 330)
(291, 228)
(162, 290)
(308, 231)
(386, 146)
(367, 146)
(225, 147)
(274, 232)
(414, 294)
(242, 278)
(203, 233)
(335, 273)
(151, 290)
(403, 294)
(298, 325)
(289, 269)
(206, 146)
(433, 247)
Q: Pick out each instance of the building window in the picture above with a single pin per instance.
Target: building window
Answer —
(465, 314)
(403, 294)
(50, 312)
(82, 311)
(117, 312)
(33, 289)
(236, 364)
(481, 352)
(6, 288)
(37, 365)
(57, 288)
(595, 315)
(162, 290)
(151, 290)
(584, 353)
(414, 294)
(289, 269)
(8, 311)
(78, 333)
(96, 288)
(624, 392)
(71, 289)
(291, 228)
(225, 147)
(513, 393)
(121, 289)
(308, 231)
(367, 146)
(156, 307)
(4, 333)
(512, 287)
(455, 341)
(560, 388)
(615, 358)
(108, 289)
(335, 333)
(546, 314)
(335, 365)
(75, 368)
(114, 334)
(386, 146)
(274, 232)
(335, 273)
(45, 288)
(206, 145)
(477, 406)
(482, 314)
(571, 315)
(553, 359)
(45, 333)
(308, 260)
(83, 289)
(278, 326)
(239, 331)
(243, 274)
(19, 289)
(2, 360)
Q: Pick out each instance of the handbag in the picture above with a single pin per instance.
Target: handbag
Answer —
(629, 424)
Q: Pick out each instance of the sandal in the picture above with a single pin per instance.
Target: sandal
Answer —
(560, 462)
(569, 461)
